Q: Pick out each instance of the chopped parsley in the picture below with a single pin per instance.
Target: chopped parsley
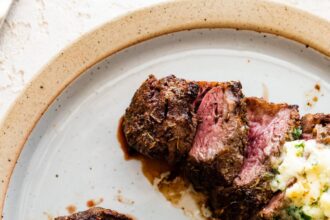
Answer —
(275, 171)
(300, 145)
(305, 217)
(296, 133)
(268, 175)
(315, 203)
(297, 214)
(300, 149)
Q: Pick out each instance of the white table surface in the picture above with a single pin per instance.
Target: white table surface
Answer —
(36, 30)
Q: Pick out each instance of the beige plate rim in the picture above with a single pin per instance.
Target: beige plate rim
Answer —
(256, 15)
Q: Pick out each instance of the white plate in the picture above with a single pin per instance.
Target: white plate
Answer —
(73, 154)
(4, 8)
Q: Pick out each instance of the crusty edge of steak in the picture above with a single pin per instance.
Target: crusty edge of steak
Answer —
(96, 213)
(309, 121)
(273, 208)
(316, 126)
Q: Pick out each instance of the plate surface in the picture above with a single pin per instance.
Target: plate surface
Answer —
(73, 154)
(4, 8)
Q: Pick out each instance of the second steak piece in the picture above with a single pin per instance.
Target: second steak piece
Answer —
(270, 125)
(216, 157)
(96, 214)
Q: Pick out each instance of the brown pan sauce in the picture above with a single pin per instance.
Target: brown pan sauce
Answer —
(151, 168)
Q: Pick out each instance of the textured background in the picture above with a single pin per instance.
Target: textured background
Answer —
(36, 30)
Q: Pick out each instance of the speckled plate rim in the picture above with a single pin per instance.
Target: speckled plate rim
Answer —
(256, 15)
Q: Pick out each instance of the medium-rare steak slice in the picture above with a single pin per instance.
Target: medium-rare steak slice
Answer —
(316, 126)
(96, 214)
(160, 121)
(270, 125)
(216, 157)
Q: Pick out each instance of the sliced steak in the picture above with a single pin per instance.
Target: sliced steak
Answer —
(216, 157)
(160, 121)
(96, 214)
(270, 125)
(316, 126)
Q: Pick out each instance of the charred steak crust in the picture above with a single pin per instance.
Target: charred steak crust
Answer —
(160, 121)
(96, 214)
(309, 121)
(274, 208)
(216, 157)
(270, 125)
(316, 126)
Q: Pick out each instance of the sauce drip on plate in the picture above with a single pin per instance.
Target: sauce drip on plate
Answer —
(151, 168)
(71, 209)
(174, 188)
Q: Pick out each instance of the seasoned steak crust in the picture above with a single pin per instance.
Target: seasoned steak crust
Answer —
(96, 214)
(160, 121)
(273, 210)
(216, 157)
(316, 126)
(270, 125)
(309, 121)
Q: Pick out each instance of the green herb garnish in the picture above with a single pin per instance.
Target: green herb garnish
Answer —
(300, 145)
(304, 216)
(296, 133)
(269, 175)
(300, 149)
(315, 203)
(297, 214)
(275, 171)
(277, 217)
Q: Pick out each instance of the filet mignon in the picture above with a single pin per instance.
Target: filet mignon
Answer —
(270, 125)
(216, 156)
(96, 214)
(226, 142)
(160, 122)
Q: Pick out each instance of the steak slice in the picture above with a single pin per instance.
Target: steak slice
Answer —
(96, 214)
(216, 157)
(316, 126)
(160, 122)
(270, 125)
